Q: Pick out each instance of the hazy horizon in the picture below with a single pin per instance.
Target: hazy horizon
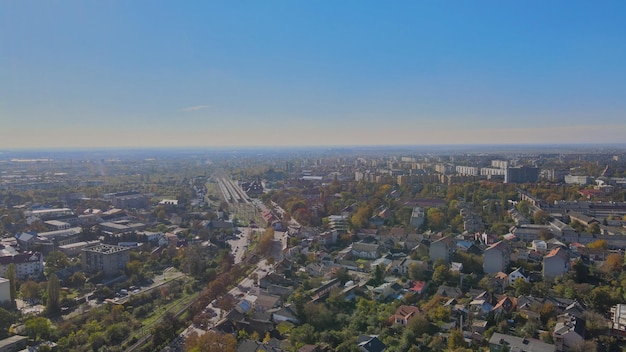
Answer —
(148, 74)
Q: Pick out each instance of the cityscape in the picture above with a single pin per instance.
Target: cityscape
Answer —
(292, 176)
(435, 248)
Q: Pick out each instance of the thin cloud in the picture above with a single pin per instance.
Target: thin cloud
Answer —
(196, 108)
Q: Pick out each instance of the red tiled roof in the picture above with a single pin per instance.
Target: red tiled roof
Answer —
(418, 286)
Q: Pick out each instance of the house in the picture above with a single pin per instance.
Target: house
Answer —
(248, 345)
(568, 332)
(447, 291)
(539, 246)
(286, 313)
(368, 343)
(480, 307)
(365, 250)
(418, 287)
(500, 281)
(387, 290)
(618, 320)
(518, 274)
(505, 306)
(5, 290)
(14, 343)
(323, 290)
(505, 343)
(555, 263)
(403, 314)
(402, 266)
(496, 258)
(443, 249)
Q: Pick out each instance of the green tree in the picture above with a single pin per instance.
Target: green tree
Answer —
(419, 325)
(521, 287)
(38, 328)
(56, 261)
(594, 228)
(441, 274)
(6, 320)
(456, 340)
(54, 295)
(30, 290)
(11, 276)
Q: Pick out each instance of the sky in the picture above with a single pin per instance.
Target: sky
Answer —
(310, 73)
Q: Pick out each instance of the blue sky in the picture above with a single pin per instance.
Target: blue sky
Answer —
(273, 73)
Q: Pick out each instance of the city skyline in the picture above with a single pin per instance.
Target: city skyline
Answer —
(160, 74)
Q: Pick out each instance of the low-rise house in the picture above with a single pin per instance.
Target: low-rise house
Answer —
(506, 343)
(387, 290)
(402, 266)
(404, 314)
(365, 250)
(518, 274)
(555, 263)
(505, 306)
(480, 307)
(368, 343)
(323, 290)
(539, 245)
(418, 287)
(568, 332)
(500, 281)
(447, 291)
(248, 345)
(286, 313)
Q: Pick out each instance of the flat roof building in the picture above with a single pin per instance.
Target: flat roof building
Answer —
(107, 258)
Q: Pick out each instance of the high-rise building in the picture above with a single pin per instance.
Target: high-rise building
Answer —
(522, 174)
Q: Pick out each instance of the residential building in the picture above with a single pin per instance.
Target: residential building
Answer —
(522, 174)
(568, 332)
(5, 290)
(518, 274)
(27, 265)
(496, 258)
(505, 343)
(368, 343)
(443, 249)
(618, 319)
(338, 223)
(555, 263)
(467, 170)
(107, 258)
(14, 343)
(403, 314)
(577, 180)
(366, 250)
(417, 217)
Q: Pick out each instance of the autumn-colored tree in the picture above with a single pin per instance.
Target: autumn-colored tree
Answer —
(211, 342)
(614, 263)
(598, 244)
(456, 340)
(360, 219)
(540, 217)
(435, 219)
(266, 240)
